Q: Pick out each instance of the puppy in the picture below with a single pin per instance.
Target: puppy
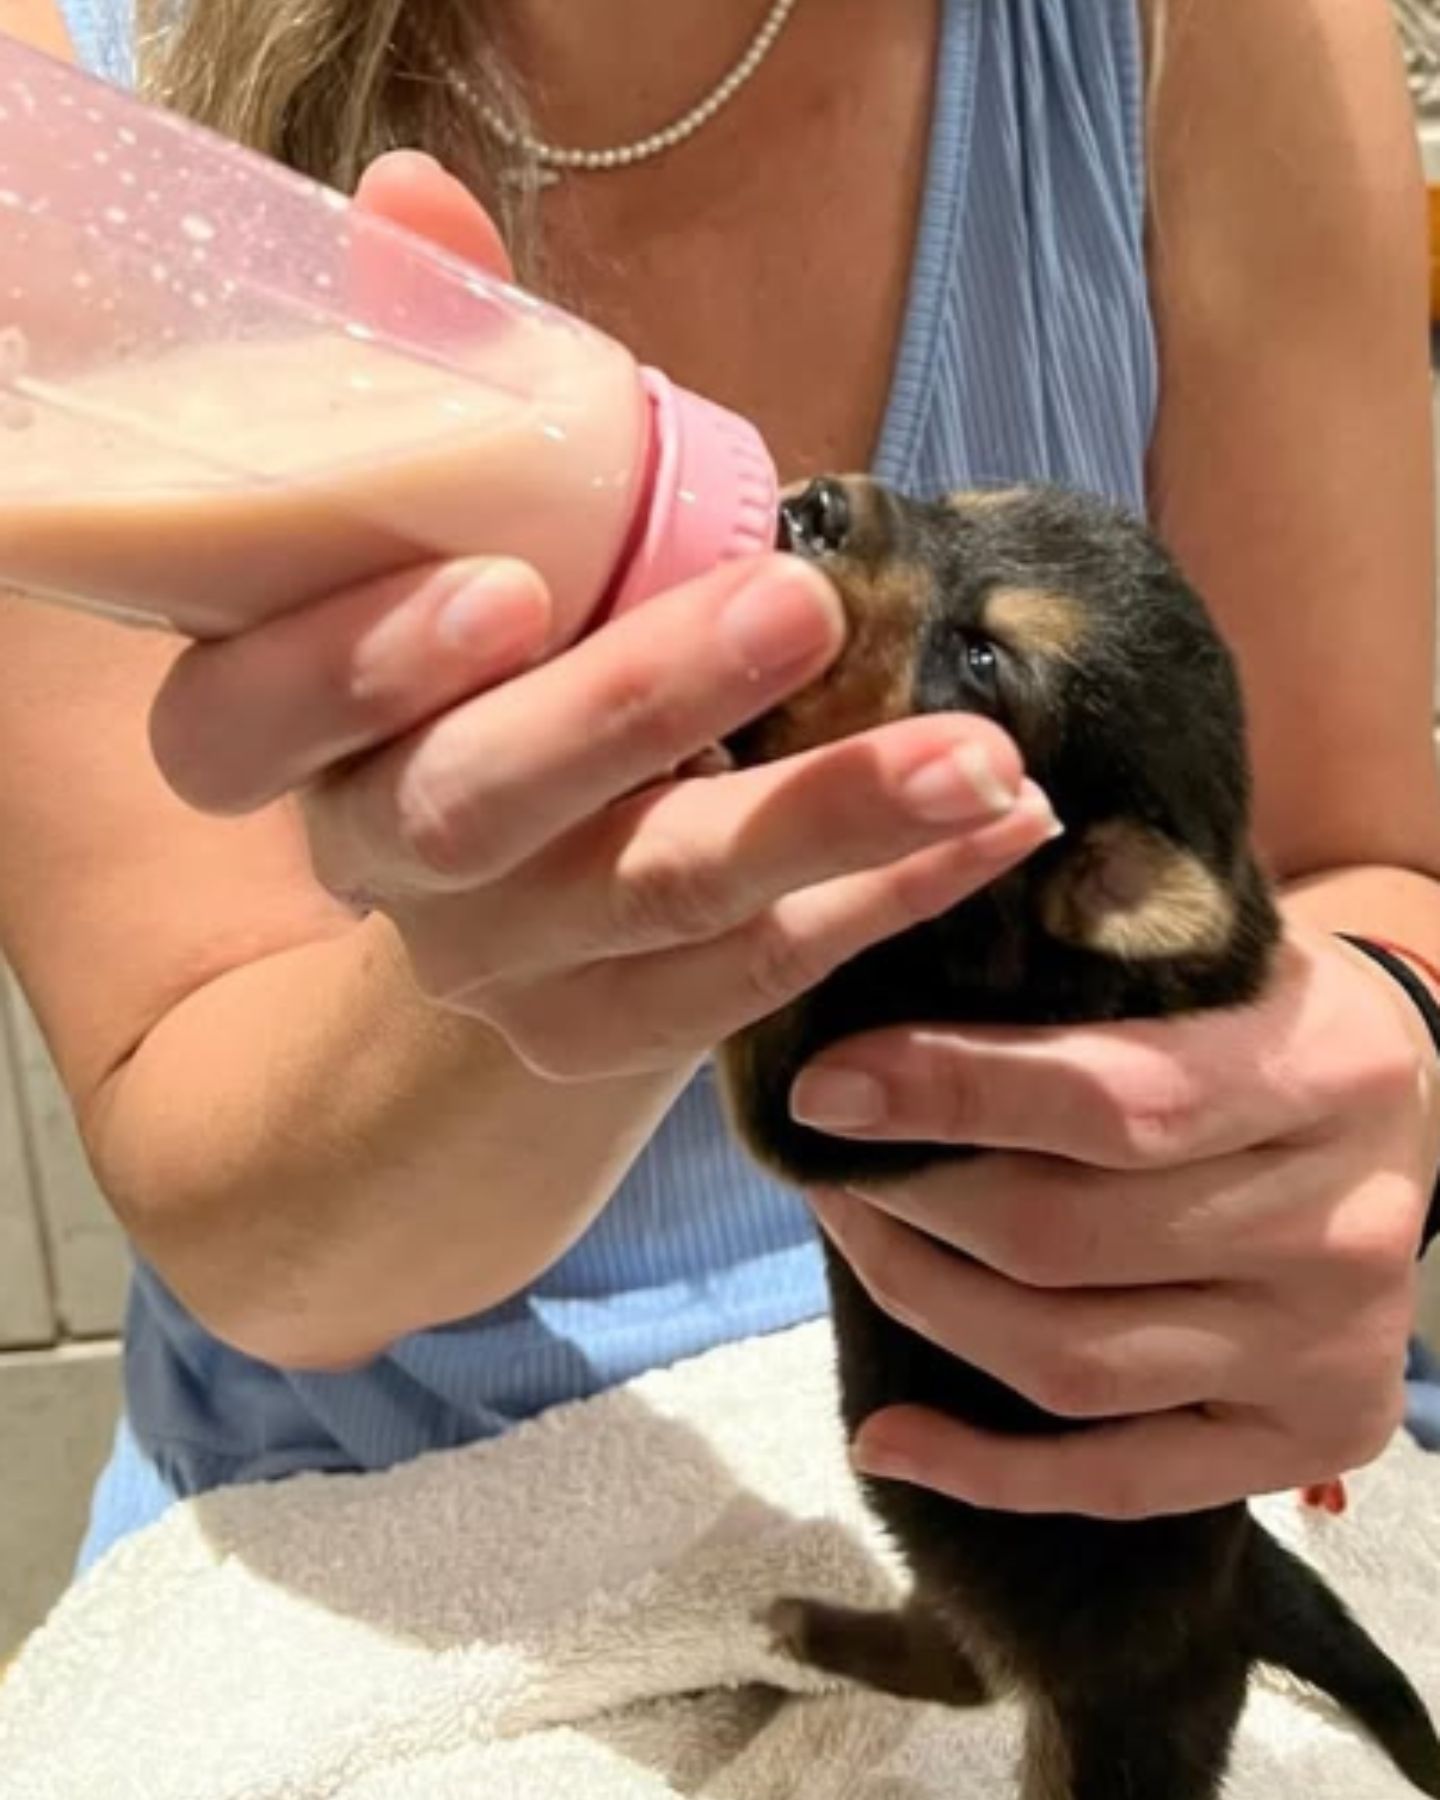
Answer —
(1064, 620)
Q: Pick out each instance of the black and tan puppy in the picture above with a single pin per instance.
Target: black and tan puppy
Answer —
(1131, 1644)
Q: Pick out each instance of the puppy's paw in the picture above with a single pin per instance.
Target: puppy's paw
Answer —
(909, 1653)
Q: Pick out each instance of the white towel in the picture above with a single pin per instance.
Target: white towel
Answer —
(570, 1614)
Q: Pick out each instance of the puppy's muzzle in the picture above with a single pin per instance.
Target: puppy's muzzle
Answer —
(817, 520)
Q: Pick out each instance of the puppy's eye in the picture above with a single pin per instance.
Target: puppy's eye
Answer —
(982, 664)
(816, 522)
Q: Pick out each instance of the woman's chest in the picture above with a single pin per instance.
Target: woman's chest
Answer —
(771, 269)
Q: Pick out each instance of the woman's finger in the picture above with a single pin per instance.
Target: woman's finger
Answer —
(411, 189)
(1090, 1355)
(624, 1015)
(1049, 1223)
(331, 680)
(1173, 1462)
(693, 860)
(481, 790)
(1136, 1094)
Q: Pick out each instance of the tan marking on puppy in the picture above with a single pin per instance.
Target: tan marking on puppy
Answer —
(982, 499)
(1046, 1771)
(1128, 892)
(872, 681)
(1037, 620)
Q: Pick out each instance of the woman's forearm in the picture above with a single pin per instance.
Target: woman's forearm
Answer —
(318, 1160)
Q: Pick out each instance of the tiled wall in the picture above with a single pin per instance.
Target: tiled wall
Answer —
(1419, 22)
(62, 1288)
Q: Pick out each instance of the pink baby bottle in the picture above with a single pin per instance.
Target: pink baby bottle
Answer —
(224, 392)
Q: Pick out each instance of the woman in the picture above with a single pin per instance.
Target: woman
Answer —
(397, 1181)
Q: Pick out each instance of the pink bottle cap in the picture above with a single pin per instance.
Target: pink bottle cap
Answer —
(713, 496)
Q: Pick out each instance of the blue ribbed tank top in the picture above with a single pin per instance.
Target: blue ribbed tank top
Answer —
(1027, 353)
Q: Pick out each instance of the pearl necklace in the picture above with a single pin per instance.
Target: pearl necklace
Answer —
(554, 161)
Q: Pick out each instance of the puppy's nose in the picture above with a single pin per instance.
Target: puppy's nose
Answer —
(816, 522)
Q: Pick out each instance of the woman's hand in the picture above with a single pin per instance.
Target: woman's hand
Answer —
(516, 813)
(1199, 1234)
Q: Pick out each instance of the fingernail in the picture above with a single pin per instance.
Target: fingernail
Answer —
(420, 159)
(836, 1099)
(782, 620)
(872, 1459)
(714, 759)
(959, 784)
(502, 609)
(1034, 803)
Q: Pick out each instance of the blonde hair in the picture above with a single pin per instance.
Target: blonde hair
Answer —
(327, 85)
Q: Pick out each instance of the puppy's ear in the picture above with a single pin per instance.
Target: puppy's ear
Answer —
(1127, 891)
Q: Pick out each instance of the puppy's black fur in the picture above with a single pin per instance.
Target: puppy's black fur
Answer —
(1065, 621)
